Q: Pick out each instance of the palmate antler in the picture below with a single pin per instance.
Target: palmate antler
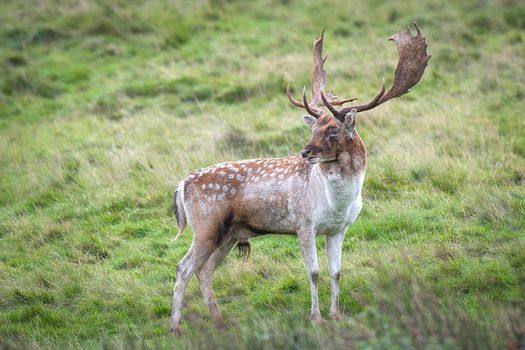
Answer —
(413, 59)
(318, 84)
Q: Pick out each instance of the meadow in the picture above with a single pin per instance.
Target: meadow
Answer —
(106, 105)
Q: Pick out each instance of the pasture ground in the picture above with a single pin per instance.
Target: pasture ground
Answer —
(105, 106)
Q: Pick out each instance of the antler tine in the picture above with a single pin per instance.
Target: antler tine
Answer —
(417, 28)
(342, 102)
(334, 111)
(290, 97)
(307, 106)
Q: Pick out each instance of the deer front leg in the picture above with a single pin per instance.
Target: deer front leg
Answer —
(308, 249)
(334, 245)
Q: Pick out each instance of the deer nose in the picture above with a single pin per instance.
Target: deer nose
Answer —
(306, 152)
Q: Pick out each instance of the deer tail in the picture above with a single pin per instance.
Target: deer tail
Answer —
(178, 209)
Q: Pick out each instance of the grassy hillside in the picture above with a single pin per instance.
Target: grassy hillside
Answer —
(106, 105)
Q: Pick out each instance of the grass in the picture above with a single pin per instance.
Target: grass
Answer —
(105, 107)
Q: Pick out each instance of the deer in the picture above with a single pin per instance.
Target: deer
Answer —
(317, 192)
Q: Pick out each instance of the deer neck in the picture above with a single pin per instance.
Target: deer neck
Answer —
(341, 171)
(340, 181)
(350, 162)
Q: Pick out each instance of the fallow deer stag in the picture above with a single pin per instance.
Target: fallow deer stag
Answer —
(315, 193)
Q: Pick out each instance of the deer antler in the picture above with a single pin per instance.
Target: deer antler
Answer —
(318, 84)
(413, 59)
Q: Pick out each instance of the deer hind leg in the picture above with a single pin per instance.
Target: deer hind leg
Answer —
(205, 278)
(196, 256)
(237, 234)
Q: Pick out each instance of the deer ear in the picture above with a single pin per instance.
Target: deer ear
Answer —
(308, 119)
(350, 122)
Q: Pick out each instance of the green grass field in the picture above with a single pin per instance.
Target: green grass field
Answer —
(106, 105)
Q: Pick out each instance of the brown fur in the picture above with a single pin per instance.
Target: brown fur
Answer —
(348, 152)
(225, 184)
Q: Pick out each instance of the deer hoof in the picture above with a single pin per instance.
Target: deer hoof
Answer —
(219, 323)
(176, 331)
(336, 316)
(317, 319)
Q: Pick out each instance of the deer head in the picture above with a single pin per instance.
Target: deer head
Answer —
(334, 133)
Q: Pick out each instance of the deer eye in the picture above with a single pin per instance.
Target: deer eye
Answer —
(334, 132)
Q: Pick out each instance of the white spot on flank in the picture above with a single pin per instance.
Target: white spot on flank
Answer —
(256, 178)
(233, 190)
(250, 170)
(239, 177)
(224, 188)
(233, 169)
(222, 173)
(210, 186)
(203, 186)
(231, 176)
(272, 174)
(217, 187)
